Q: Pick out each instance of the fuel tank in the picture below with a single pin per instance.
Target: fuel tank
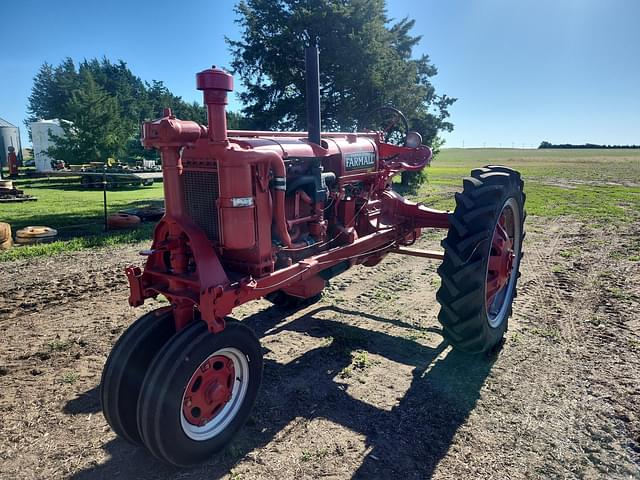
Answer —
(349, 154)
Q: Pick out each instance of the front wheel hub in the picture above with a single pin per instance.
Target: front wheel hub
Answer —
(208, 390)
(214, 394)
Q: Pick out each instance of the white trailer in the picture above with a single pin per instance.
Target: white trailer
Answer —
(41, 132)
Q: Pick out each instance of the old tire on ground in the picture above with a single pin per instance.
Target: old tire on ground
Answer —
(122, 221)
(482, 256)
(35, 234)
(6, 240)
(284, 300)
(126, 367)
(199, 391)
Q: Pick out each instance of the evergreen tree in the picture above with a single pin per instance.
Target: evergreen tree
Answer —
(51, 91)
(96, 133)
(41, 102)
(52, 96)
(366, 61)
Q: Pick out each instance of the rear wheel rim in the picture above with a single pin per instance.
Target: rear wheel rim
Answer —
(504, 258)
(214, 394)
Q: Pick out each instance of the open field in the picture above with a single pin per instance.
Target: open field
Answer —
(592, 185)
(362, 384)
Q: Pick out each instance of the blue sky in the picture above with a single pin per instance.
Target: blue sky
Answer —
(524, 71)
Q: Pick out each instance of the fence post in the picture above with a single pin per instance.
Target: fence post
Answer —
(104, 195)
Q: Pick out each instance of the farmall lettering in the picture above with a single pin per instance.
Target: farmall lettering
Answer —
(253, 214)
(359, 161)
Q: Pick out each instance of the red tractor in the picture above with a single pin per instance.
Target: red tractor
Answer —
(253, 214)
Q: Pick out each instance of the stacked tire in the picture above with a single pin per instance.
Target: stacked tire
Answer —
(122, 221)
(36, 234)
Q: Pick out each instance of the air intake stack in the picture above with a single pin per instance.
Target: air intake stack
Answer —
(215, 83)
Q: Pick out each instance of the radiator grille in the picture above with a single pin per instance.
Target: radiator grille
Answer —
(201, 193)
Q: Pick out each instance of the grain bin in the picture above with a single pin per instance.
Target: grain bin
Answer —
(40, 135)
(9, 137)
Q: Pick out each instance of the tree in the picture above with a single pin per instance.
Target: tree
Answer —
(365, 62)
(96, 133)
(41, 103)
(237, 121)
(52, 87)
(135, 101)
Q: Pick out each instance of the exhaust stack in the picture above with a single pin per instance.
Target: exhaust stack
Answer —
(312, 74)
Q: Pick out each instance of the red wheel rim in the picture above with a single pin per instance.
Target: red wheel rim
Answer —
(501, 260)
(209, 390)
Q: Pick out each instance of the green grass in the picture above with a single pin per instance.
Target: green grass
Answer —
(69, 377)
(597, 186)
(598, 165)
(67, 204)
(76, 213)
(109, 239)
(59, 346)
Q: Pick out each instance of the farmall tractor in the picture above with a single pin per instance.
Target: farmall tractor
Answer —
(253, 214)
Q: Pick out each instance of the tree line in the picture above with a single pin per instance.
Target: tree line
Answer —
(546, 144)
(103, 103)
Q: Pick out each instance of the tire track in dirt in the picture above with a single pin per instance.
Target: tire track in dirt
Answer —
(93, 275)
(551, 291)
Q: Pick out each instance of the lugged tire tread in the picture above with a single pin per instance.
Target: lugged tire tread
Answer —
(477, 212)
(461, 230)
(462, 273)
(463, 200)
(474, 240)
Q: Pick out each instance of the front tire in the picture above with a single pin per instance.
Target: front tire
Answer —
(126, 367)
(481, 263)
(199, 391)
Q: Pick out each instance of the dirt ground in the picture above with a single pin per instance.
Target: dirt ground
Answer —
(359, 385)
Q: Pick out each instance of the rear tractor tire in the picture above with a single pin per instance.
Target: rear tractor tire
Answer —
(482, 252)
(199, 391)
(126, 367)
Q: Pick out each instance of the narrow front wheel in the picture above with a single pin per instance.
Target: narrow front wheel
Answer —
(199, 391)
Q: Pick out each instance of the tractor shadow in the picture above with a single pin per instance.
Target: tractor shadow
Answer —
(406, 442)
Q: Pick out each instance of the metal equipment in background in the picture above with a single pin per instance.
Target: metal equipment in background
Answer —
(9, 137)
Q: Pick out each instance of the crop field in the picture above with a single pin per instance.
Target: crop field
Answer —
(361, 384)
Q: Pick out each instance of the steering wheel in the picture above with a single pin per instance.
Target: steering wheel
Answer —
(391, 122)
